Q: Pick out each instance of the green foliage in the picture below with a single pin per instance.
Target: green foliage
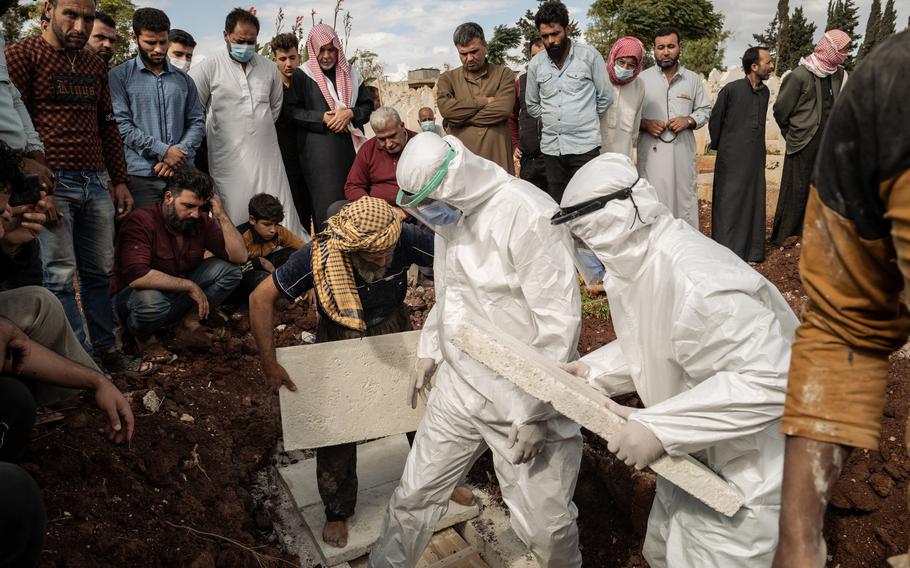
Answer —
(782, 46)
(701, 27)
(13, 21)
(801, 40)
(594, 306)
(367, 62)
(872, 26)
(887, 26)
(844, 15)
(505, 38)
(703, 55)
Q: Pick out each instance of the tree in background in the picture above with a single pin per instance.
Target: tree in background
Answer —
(505, 38)
(872, 26)
(844, 15)
(800, 39)
(782, 43)
(701, 27)
(788, 49)
(528, 30)
(887, 26)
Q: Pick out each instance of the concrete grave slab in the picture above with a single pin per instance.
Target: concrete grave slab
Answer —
(348, 391)
(492, 536)
(379, 467)
(545, 381)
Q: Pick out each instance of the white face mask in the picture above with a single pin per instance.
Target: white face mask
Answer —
(181, 64)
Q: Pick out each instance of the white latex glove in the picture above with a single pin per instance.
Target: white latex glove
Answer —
(420, 380)
(527, 441)
(577, 368)
(635, 444)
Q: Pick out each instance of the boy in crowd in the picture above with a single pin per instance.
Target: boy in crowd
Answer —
(268, 244)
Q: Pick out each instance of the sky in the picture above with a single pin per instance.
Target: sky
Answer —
(410, 35)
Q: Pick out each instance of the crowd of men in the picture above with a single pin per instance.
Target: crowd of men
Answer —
(137, 200)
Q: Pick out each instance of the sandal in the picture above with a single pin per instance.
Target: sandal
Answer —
(120, 362)
(157, 354)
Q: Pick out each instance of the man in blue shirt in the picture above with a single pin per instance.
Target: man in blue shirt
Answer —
(568, 89)
(157, 110)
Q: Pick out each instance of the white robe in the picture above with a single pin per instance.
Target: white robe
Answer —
(619, 125)
(670, 166)
(241, 107)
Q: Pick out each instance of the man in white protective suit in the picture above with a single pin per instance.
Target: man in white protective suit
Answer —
(705, 341)
(497, 257)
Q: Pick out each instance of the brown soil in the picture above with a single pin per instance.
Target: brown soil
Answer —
(142, 505)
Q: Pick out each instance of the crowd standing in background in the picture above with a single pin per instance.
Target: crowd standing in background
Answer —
(138, 201)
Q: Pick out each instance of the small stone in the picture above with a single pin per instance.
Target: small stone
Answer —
(187, 418)
(894, 469)
(280, 328)
(307, 337)
(151, 401)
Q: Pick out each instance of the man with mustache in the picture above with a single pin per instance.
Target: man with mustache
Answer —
(476, 99)
(65, 89)
(568, 89)
(675, 106)
(157, 109)
(160, 274)
(103, 38)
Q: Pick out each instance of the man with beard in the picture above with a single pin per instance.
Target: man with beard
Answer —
(358, 267)
(476, 99)
(160, 274)
(241, 93)
(737, 129)
(103, 37)
(568, 89)
(157, 109)
(675, 106)
(329, 104)
(65, 89)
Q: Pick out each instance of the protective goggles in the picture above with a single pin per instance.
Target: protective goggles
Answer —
(569, 213)
(429, 187)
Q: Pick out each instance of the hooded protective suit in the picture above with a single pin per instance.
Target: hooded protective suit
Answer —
(503, 261)
(705, 341)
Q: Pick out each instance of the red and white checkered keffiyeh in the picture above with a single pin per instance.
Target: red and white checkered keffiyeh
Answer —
(625, 47)
(830, 51)
(319, 36)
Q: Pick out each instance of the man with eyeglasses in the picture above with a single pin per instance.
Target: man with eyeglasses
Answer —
(675, 106)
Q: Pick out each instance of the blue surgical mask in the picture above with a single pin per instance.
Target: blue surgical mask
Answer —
(438, 213)
(590, 267)
(428, 126)
(622, 73)
(242, 52)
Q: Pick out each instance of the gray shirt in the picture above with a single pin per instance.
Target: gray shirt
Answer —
(569, 101)
(16, 128)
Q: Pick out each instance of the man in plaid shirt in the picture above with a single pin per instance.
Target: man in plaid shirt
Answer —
(65, 89)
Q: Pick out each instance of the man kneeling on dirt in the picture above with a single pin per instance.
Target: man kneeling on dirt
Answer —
(358, 267)
(160, 274)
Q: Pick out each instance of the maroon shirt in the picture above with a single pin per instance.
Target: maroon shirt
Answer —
(373, 173)
(146, 242)
(70, 104)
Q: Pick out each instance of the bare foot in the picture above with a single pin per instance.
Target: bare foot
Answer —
(335, 534)
(463, 495)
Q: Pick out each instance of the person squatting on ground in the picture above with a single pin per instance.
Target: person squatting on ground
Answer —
(42, 362)
(705, 342)
(855, 267)
(497, 256)
(161, 276)
(268, 243)
(358, 267)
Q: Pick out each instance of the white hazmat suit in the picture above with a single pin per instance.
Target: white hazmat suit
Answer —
(504, 262)
(705, 341)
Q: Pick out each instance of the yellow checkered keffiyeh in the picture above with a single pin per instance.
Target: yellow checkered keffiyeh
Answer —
(367, 225)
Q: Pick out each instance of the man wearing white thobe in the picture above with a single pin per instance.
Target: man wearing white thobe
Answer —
(241, 92)
(675, 106)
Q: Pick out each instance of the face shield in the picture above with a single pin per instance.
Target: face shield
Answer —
(431, 213)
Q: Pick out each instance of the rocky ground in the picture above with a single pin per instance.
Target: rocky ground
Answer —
(185, 492)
